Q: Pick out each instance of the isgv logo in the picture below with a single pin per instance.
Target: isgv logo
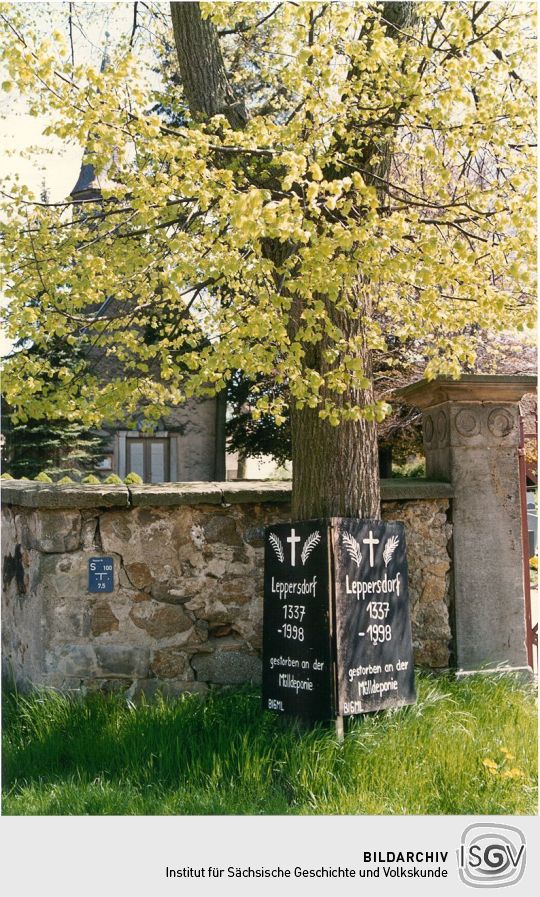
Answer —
(491, 855)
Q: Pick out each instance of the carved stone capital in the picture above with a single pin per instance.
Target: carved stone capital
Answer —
(471, 424)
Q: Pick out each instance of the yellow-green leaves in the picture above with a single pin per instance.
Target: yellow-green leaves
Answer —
(401, 171)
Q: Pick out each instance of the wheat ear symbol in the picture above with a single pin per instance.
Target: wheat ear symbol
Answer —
(352, 547)
(389, 549)
(275, 542)
(310, 544)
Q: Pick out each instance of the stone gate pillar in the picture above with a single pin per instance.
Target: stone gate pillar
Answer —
(471, 438)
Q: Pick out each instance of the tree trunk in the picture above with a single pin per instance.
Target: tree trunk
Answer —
(336, 469)
(241, 468)
(204, 78)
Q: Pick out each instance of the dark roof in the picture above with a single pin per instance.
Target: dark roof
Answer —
(87, 186)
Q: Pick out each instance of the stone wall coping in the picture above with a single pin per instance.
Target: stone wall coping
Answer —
(51, 496)
(175, 494)
(469, 388)
(410, 489)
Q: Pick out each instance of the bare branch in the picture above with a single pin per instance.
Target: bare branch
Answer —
(134, 28)
(242, 28)
(70, 23)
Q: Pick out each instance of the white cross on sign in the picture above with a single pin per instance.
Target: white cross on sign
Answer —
(293, 539)
(371, 542)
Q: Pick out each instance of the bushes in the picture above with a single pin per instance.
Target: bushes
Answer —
(132, 479)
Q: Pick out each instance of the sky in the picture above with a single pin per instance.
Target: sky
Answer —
(52, 161)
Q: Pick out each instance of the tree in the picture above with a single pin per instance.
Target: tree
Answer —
(378, 185)
(59, 448)
(251, 436)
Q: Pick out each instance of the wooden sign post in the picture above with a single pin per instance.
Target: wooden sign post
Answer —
(336, 627)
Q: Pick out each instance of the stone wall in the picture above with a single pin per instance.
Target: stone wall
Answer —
(186, 610)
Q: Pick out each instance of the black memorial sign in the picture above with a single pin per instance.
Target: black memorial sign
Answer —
(336, 626)
(297, 656)
(373, 631)
(101, 574)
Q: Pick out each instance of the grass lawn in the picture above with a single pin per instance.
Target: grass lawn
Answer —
(466, 747)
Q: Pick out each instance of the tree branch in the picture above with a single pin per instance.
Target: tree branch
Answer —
(242, 28)
(134, 28)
